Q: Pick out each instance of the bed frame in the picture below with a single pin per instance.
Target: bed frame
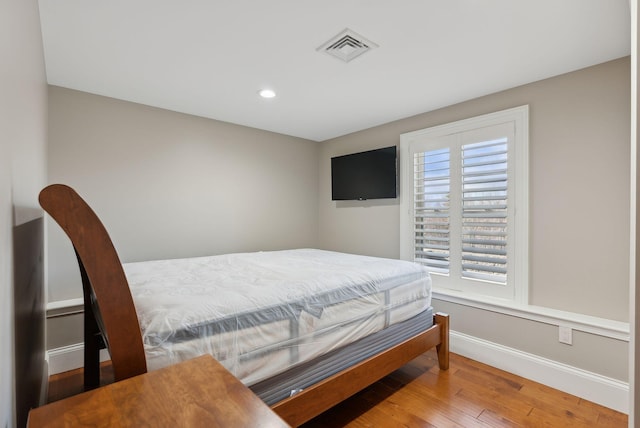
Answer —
(110, 318)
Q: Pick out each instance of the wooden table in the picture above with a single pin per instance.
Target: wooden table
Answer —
(194, 393)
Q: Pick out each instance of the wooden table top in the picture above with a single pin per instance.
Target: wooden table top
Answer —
(194, 393)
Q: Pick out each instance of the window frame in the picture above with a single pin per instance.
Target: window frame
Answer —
(517, 290)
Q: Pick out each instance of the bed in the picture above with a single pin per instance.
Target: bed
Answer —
(304, 329)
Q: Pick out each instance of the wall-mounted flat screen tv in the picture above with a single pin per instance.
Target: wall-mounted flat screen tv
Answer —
(366, 175)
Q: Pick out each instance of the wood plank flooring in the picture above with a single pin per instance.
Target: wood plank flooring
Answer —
(469, 394)
(63, 385)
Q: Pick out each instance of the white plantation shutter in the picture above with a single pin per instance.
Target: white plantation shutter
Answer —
(484, 210)
(432, 186)
(461, 184)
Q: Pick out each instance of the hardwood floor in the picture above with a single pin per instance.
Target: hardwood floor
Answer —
(469, 394)
(70, 383)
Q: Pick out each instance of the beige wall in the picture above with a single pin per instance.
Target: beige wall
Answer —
(154, 177)
(579, 161)
(23, 129)
(579, 202)
(170, 185)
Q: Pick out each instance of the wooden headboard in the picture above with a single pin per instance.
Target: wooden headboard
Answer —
(114, 320)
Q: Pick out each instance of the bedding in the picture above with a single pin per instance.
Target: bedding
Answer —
(112, 321)
(262, 314)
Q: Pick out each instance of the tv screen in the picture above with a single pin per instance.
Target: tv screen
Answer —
(365, 175)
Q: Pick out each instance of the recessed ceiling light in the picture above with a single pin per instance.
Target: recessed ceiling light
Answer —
(266, 93)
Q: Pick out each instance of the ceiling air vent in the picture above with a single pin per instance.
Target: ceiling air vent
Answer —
(347, 45)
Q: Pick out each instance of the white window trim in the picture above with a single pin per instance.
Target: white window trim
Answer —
(518, 115)
(519, 307)
(604, 327)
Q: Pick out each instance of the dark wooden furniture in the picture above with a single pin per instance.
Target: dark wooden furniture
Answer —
(110, 314)
(193, 393)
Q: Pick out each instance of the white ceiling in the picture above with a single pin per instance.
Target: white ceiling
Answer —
(210, 57)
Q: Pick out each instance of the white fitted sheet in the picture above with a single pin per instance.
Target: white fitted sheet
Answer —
(262, 313)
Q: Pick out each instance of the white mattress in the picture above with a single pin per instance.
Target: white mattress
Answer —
(262, 313)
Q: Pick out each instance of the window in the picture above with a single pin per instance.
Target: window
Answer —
(464, 203)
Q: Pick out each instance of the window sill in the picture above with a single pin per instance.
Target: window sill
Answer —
(599, 326)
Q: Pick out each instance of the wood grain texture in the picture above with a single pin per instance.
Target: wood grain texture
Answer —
(109, 309)
(316, 399)
(108, 301)
(442, 348)
(469, 394)
(66, 384)
(195, 393)
(421, 395)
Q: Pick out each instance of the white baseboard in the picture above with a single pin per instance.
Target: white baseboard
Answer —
(608, 392)
(602, 390)
(69, 358)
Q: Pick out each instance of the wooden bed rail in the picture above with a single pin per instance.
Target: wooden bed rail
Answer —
(314, 400)
(110, 315)
(109, 310)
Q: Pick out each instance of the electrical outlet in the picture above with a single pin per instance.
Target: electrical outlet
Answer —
(565, 335)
